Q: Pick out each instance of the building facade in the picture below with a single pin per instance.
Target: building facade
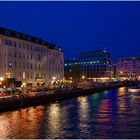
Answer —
(29, 59)
(91, 65)
(128, 68)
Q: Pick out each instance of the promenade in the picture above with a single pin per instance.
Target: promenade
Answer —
(37, 98)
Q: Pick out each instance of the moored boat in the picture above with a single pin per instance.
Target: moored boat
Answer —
(134, 89)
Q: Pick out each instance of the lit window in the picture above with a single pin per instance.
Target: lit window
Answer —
(23, 75)
(8, 75)
(10, 64)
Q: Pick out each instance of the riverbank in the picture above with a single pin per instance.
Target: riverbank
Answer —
(22, 101)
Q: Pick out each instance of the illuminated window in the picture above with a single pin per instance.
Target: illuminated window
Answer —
(8, 75)
(10, 65)
(23, 75)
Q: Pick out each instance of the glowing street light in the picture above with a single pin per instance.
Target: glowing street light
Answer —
(1, 78)
(70, 78)
(54, 78)
(83, 77)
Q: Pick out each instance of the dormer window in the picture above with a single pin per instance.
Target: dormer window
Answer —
(7, 32)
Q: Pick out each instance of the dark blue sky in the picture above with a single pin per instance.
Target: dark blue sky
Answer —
(78, 26)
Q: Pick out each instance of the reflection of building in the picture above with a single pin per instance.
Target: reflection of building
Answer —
(128, 68)
(94, 65)
(29, 59)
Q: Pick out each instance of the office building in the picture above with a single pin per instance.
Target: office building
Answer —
(91, 65)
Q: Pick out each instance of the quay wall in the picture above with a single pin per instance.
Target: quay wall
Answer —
(22, 101)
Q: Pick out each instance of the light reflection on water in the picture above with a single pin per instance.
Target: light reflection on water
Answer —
(109, 114)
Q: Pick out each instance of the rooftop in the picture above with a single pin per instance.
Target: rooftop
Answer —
(19, 35)
(129, 58)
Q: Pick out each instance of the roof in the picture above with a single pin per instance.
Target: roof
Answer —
(128, 58)
(29, 38)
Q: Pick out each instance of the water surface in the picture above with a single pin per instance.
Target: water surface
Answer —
(110, 114)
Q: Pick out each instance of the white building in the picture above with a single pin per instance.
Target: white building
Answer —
(29, 59)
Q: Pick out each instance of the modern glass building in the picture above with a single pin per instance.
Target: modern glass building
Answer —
(92, 65)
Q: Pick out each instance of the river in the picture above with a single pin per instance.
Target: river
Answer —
(112, 114)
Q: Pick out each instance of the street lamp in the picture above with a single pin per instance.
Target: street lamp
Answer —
(1, 78)
(83, 77)
(54, 78)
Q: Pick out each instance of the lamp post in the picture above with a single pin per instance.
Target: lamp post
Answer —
(83, 77)
(121, 75)
(54, 78)
(1, 78)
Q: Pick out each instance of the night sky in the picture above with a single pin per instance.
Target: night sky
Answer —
(78, 26)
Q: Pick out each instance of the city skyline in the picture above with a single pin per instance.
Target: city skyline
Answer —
(78, 26)
(69, 70)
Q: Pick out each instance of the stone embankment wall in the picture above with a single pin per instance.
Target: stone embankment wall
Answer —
(22, 101)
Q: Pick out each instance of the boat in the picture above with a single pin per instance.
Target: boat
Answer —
(134, 90)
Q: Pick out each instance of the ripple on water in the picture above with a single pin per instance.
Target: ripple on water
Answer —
(109, 114)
